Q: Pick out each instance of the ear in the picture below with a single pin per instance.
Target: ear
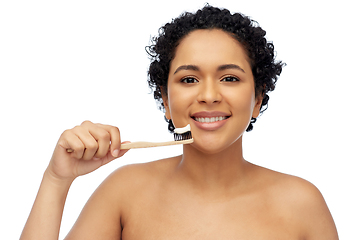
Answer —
(166, 104)
(257, 107)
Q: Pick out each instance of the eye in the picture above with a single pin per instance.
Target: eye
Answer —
(189, 80)
(230, 79)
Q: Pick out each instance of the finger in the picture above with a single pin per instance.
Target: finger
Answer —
(89, 142)
(71, 142)
(102, 136)
(110, 157)
(114, 134)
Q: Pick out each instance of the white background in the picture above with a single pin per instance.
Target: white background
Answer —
(63, 62)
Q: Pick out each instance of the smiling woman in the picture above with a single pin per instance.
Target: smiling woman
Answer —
(212, 70)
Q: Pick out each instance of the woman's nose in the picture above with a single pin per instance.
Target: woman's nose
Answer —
(209, 92)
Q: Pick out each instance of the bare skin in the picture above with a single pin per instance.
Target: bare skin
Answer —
(209, 192)
(266, 205)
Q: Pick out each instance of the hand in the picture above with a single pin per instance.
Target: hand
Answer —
(92, 146)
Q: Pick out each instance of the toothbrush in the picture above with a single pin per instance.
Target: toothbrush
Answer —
(181, 136)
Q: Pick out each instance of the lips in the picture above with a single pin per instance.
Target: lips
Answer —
(210, 120)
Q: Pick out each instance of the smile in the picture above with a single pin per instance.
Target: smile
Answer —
(209, 119)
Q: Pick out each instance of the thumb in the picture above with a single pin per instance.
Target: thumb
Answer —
(113, 154)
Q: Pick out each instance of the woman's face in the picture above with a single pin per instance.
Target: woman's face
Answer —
(211, 86)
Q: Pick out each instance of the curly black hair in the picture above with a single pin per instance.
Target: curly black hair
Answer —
(252, 37)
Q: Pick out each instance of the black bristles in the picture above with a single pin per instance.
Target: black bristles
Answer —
(183, 136)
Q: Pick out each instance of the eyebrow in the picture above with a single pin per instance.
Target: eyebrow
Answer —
(187, 67)
(220, 68)
(230, 66)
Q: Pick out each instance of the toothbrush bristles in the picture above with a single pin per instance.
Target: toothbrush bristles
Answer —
(182, 136)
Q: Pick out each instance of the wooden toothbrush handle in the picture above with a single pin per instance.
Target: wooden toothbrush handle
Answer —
(148, 144)
(153, 144)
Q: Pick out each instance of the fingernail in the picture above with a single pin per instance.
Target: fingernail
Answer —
(115, 153)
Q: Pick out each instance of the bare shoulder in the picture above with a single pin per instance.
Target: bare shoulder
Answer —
(136, 182)
(290, 187)
(300, 199)
(143, 173)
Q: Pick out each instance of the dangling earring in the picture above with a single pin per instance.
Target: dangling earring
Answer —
(171, 126)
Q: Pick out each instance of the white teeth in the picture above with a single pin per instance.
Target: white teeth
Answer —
(209, 120)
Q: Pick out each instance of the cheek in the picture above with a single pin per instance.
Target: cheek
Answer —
(180, 100)
(175, 98)
(180, 97)
(242, 100)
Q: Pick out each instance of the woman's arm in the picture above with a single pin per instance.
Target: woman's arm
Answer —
(101, 216)
(317, 217)
(309, 206)
(45, 217)
(92, 146)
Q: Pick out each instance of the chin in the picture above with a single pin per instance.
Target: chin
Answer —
(215, 146)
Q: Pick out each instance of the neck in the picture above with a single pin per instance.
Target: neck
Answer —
(210, 171)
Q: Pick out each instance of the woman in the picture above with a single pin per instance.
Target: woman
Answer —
(211, 70)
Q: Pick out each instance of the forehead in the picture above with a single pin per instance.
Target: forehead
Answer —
(210, 46)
